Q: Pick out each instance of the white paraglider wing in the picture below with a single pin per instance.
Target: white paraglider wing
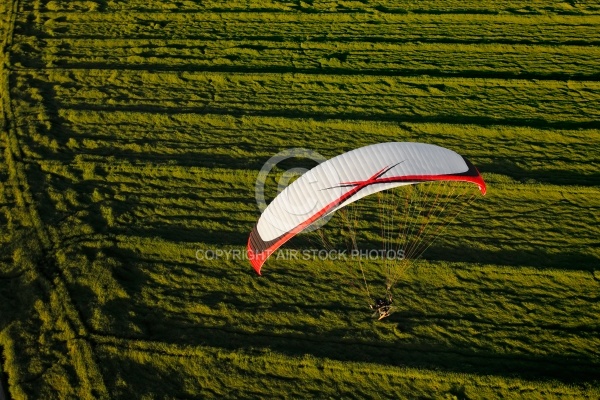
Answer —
(347, 178)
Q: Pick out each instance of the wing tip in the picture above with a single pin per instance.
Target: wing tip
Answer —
(475, 176)
(257, 266)
(481, 183)
(256, 259)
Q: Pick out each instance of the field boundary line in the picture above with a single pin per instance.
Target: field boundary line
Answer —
(24, 199)
(5, 124)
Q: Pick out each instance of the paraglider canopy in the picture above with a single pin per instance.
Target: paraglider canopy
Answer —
(347, 178)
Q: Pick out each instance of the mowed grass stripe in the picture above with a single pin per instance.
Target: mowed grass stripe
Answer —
(323, 28)
(477, 60)
(409, 99)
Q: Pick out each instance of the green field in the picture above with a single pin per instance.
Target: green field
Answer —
(132, 135)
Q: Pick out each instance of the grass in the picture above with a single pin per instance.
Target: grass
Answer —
(132, 135)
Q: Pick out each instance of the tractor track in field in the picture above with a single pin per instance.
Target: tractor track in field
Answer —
(11, 148)
(22, 189)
